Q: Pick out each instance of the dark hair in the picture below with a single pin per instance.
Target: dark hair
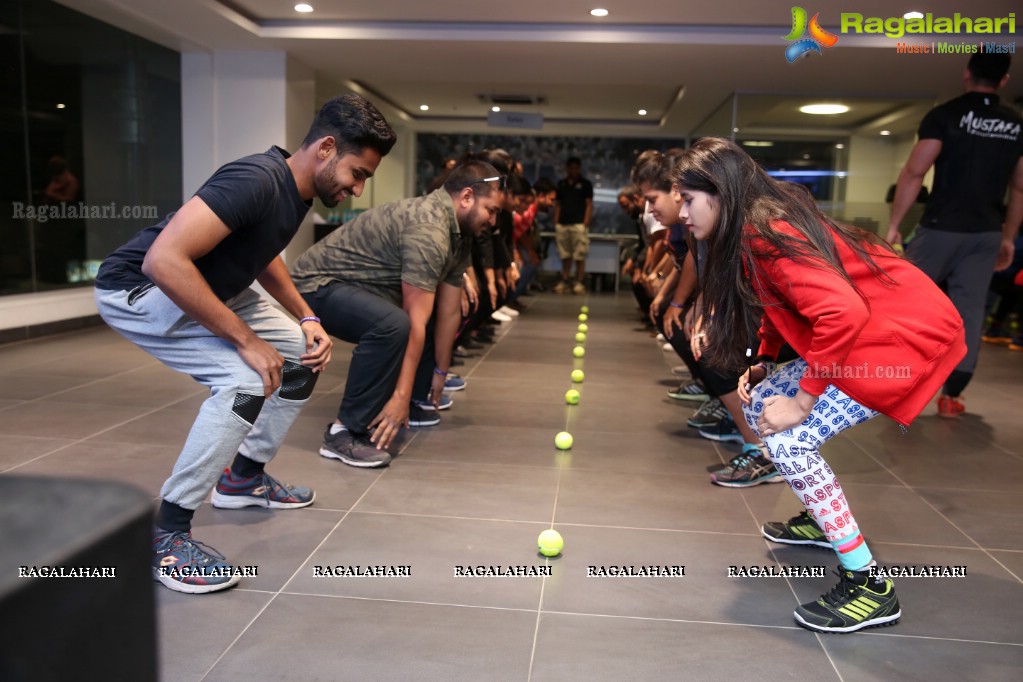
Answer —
(519, 186)
(354, 123)
(630, 190)
(574, 160)
(468, 173)
(653, 168)
(749, 201)
(544, 186)
(499, 159)
(988, 68)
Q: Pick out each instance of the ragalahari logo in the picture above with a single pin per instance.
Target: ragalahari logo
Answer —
(818, 36)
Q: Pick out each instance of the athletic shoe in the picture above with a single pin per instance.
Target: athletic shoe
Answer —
(462, 352)
(500, 317)
(858, 601)
(709, 413)
(560, 287)
(354, 450)
(799, 530)
(1016, 343)
(996, 336)
(235, 492)
(508, 310)
(690, 390)
(680, 370)
(417, 416)
(949, 407)
(667, 346)
(445, 403)
(725, 431)
(747, 469)
(187, 565)
(471, 344)
(578, 288)
(454, 383)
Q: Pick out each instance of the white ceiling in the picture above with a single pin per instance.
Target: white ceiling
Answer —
(678, 59)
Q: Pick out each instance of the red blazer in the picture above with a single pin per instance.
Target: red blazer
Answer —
(890, 349)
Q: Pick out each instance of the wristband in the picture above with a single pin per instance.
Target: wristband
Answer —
(311, 318)
(439, 372)
(676, 305)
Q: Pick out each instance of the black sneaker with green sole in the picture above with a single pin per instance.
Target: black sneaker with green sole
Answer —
(859, 601)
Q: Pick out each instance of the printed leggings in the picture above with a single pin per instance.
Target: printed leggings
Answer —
(796, 455)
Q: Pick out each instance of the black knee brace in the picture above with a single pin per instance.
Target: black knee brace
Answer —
(297, 381)
(247, 406)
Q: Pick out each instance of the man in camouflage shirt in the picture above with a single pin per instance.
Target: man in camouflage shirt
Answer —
(376, 282)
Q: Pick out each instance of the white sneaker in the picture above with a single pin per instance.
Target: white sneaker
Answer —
(500, 317)
(510, 312)
(661, 338)
(667, 346)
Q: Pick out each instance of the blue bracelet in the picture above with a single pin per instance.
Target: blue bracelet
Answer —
(676, 305)
(439, 372)
(311, 318)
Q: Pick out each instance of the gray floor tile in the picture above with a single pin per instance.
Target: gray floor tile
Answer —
(16, 450)
(186, 650)
(431, 548)
(612, 649)
(326, 638)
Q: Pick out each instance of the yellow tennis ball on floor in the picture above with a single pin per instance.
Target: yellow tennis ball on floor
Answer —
(583, 317)
(550, 542)
(580, 337)
(572, 396)
(578, 376)
(578, 351)
(563, 441)
(584, 328)
(585, 309)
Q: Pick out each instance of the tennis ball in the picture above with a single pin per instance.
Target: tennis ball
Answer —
(563, 441)
(584, 328)
(578, 351)
(550, 542)
(578, 376)
(580, 337)
(585, 309)
(572, 396)
(583, 317)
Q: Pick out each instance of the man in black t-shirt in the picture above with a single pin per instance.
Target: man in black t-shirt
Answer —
(572, 214)
(180, 291)
(976, 148)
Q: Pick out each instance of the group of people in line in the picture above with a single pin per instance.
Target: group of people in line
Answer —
(764, 297)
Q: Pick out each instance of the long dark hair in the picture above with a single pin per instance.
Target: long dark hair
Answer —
(749, 200)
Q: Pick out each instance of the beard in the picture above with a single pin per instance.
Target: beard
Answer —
(326, 187)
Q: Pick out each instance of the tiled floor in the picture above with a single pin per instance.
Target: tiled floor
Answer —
(477, 490)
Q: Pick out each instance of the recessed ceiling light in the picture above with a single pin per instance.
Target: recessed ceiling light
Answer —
(824, 109)
(642, 112)
(598, 12)
(62, 106)
(303, 7)
(757, 143)
(913, 15)
(886, 132)
(735, 130)
(839, 146)
(495, 109)
(424, 107)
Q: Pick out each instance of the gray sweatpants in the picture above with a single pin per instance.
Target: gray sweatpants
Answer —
(965, 262)
(155, 324)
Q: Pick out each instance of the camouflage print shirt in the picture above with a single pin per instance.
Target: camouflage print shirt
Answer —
(415, 241)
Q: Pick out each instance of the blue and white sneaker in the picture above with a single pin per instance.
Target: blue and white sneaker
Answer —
(445, 404)
(186, 565)
(454, 383)
(233, 492)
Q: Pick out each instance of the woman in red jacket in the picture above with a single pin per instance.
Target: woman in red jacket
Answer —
(873, 333)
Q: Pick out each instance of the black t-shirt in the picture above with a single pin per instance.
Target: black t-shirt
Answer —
(572, 196)
(980, 147)
(258, 200)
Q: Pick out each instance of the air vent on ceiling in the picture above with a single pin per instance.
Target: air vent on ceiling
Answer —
(512, 99)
